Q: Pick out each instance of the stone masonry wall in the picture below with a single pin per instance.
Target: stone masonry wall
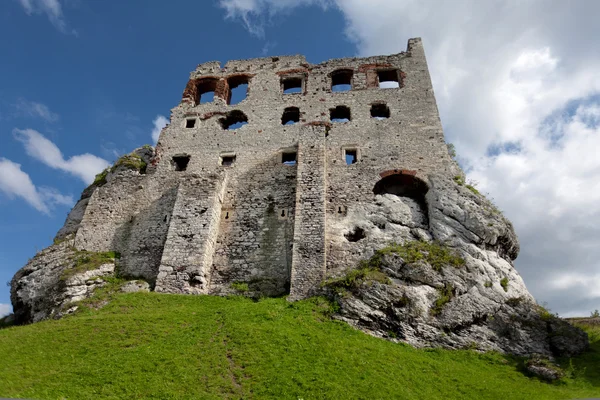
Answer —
(235, 213)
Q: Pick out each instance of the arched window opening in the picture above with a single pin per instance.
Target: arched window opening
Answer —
(234, 120)
(388, 79)
(341, 80)
(380, 111)
(290, 116)
(340, 114)
(404, 185)
(206, 90)
(238, 89)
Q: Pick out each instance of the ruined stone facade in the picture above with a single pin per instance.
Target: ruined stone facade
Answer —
(262, 203)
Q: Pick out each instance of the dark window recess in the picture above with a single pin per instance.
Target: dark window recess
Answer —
(234, 120)
(288, 158)
(340, 114)
(238, 89)
(227, 161)
(282, 213)
(274, 59)
(190, 123)
(291, 85)
(388, 79)
(290, 116)
(380, 111)
(341, 81)
(181, 162)
(206, 90)
(351, 157)
(355, 235)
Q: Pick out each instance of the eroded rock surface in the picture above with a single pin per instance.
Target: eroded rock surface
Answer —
(481, 304)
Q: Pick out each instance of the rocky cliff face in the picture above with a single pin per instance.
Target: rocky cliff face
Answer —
(440, 272)
(451, 285)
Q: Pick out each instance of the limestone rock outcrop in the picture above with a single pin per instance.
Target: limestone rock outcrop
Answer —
(428, 302)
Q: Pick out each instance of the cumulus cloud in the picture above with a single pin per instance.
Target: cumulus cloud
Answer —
(5, 309)
(35, 110)
(519, 95)
(14, 182)
(51, 8)
(159, 123)
(84, 166)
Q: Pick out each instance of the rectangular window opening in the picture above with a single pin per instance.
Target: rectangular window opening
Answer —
(190, 123)
(291, 85)
(351, 156)
(288, 158)
(388, 79)
(227, 160)
(341, 81)
(181, 162)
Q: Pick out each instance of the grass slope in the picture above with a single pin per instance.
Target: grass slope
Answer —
(149, 345)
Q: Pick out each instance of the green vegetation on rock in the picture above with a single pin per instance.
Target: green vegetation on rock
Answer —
(131, 161)
(88, 261)
(446, 294)
(100, 178)
(435, 254)
(504, 283)
(150, 345)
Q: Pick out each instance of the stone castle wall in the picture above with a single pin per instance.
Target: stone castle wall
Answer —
(236, 213)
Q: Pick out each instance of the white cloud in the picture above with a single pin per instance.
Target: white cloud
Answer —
(253, 12)
(5, 309)
(519, 95)
(16, 183)
(52, 9)
(159, 123)
(84, 166)
(35, 110)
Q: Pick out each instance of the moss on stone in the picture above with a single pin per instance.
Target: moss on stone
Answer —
(87, 261)
(240, 286)
(433, 253)
(504, 283)
(446, 294)
(100, 179)
(131, 161)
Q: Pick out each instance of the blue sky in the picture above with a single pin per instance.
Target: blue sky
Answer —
(517, 83)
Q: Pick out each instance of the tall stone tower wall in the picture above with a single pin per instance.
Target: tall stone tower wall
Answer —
(219, 206)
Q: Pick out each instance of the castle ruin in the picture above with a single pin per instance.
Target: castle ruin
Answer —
(258, 191)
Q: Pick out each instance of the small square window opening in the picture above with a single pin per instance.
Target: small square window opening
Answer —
(291, 85)
(288, 158)
(351, 157)
(388, 79)
(190, 123)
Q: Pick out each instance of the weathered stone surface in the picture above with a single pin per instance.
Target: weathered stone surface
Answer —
(490, 307)
(44, 288)
(135, 287)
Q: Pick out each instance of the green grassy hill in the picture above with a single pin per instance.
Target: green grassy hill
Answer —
(149, 345)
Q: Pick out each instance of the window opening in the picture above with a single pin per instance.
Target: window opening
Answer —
(291, 85)
(206, 90)
(288, 158)
(351, 157)
(238, 89)
(403, 186)
(283, 213)
(388, 79)
(190, 123)
(341, 81)
(227, 215)
(274, 59)
(228, 160)
(181, 162)
(290, 116)
(234, 120)
(380, 111)
(340, 114)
